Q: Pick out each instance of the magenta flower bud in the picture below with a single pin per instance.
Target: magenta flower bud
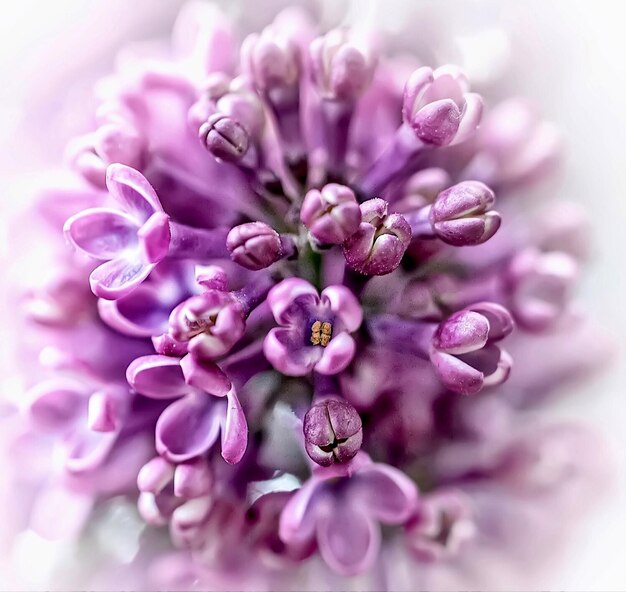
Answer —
(539, 287)
(463, 353)
(331, 214)
(254, 245)
(333, 432)
(342, 67)
(224, 137)
(103, 413)
(438, 106)
(462, 216)
(378, 245)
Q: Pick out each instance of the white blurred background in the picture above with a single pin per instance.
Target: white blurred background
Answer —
(566, 55)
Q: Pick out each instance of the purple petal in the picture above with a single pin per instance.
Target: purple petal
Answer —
(155, 475)
(288, 354)
(132, 191)
(85, 450)
(470, 118)
(118, 277)
(154, 237)
(102, 233)
(56, 404)
(282, 296)
(157, 377)
(205, 375)
(337, 355)
(297, 520)
(141, 313)
(456, 375)
(387, 493)
(188, 427)
(348, 539)
(234, 431)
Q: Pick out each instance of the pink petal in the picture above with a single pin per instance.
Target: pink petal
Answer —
(470, 117)
(348, 539)
(345, 305)
(205, 375)
(283, 355)
(337, 355)
(386, 492)
(297, 520)
(281, 297)
(55, 404)
(234, 431)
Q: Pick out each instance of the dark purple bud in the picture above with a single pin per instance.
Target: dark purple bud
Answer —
(377, 247)
(332, 214)
(333, 432)
(254, 245)
(463, 353)
(462, 216)
(224, 137)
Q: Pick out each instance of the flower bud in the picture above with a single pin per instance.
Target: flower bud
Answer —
(463, 355)
(437, 106)
(378, 245)
(254, 245)
(224, 137)
(331, 215)
(340, 68)
(461, 214)
(333, 432)
(539, 286)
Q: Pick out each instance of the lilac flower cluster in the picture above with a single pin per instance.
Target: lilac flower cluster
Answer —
(292, 309)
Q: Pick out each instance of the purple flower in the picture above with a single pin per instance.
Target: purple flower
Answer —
(333, 432)
(314, 332)
(438, 106)
(464, 354)
(442, 526)
(331, 214)
(340, 507)
(131, 240)
(377, 247)
(205, 404)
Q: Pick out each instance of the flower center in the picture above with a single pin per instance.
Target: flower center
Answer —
(321, 333)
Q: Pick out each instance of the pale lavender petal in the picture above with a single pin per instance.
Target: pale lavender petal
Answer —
(337, 355)
(345, 305)
(117, 278)
(102, 233)
(132, 191)
(234, 430)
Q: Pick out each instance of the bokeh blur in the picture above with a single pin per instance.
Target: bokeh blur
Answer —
(565, 55)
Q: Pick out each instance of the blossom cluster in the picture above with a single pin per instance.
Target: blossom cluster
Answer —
(297, 307)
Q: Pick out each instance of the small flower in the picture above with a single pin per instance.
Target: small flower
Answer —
(224, 137)
(314, 332)
(205, 404)
(212, 322)
(438, 106)
(378, 245)
(131, 241)
(442, 526)
(463, 353)
(341, 505)
(331, 214)
(332, 432)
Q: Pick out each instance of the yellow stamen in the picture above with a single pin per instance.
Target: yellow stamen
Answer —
(321, 333)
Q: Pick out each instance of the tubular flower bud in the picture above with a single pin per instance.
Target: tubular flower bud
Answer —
(378, 245)
(224, 137)
(438, 106)
(462, 215)
(331, 214)
(257, 245)
(464, 354)
(332, 432)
